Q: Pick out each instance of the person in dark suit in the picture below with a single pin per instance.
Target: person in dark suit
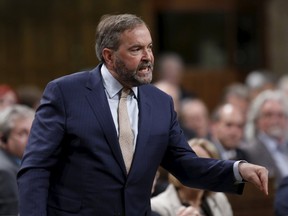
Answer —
(15, 123)
(227, 126)
(74, 163)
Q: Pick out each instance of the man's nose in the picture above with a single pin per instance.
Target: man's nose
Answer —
(147, 55)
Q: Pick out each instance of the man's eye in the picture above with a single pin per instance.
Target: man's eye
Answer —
(135, 49)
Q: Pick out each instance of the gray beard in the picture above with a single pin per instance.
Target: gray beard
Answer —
(276, 132)
(131, 77)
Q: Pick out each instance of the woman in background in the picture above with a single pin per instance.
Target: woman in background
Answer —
(179, 200)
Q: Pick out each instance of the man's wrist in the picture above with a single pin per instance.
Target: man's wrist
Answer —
(236, 171)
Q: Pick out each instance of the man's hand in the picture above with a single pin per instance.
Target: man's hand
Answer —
(255, 174)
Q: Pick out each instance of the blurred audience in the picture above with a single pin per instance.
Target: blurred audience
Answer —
(258, 81)
(171, 90)
(8, 96)
(15, 123)
(170, 68)
(29, 95)
(194, 118)
(266, 129)
(281, 198)
(227, 126)
(282, 84)
(161, 182)
(237, 94)
(178, 199)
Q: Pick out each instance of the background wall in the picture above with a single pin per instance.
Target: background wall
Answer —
(277, 14)
(41, 40)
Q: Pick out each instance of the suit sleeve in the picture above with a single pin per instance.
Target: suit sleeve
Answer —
(41, 153)
(192, 171)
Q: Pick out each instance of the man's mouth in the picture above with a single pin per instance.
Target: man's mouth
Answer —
(145, 68)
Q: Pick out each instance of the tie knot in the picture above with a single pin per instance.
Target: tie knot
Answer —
(125, 92)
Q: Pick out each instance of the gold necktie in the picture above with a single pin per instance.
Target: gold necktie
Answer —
(126, 136)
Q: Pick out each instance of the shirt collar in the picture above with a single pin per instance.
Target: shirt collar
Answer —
(226, 154)
(112, 85)
(268, 141)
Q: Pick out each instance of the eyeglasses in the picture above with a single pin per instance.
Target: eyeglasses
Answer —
(273, 115)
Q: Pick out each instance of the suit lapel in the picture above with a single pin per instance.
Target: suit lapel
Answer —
(145, 120)
(100, 106)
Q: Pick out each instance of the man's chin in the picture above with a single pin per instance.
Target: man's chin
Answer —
(276, 133)
(144, 79)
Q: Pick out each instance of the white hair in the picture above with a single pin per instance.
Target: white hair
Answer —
(256, 104)
(10, 115)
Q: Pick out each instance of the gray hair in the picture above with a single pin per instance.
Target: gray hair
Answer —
(10, 115)
(257, 103)
(217, 113)
(166, 57)
(110, 28)
(258, 78)
(236, 89)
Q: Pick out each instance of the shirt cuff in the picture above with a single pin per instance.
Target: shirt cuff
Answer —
(236, 172)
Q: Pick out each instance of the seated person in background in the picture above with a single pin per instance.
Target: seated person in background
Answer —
(227, 126)
(281, 198)
(170, 68)
(171, 90)
(178, 199)
(8, 96)
(237, 94)
(282, 84)
(194, 118)
(258, 81)
(15, 124)
(266, 132)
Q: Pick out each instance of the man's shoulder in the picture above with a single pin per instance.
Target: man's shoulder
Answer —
(76, 81)
(151, 89)
(75, 77)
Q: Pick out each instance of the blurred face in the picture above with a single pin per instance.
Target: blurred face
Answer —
(7, 100)
(229, 129)
(195, 117)
(18, 137)
(239, 102)
(172, 71)
(272, 119)
(132, 63)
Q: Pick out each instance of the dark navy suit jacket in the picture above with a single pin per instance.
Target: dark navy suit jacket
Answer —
(281, 198)
(73, 163)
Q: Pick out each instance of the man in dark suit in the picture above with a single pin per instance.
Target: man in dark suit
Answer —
(227, 124)
(74, 163)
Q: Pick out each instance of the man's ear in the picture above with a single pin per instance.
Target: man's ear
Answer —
(108, 56)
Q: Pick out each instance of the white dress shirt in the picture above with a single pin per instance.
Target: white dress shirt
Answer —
(113, 94)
